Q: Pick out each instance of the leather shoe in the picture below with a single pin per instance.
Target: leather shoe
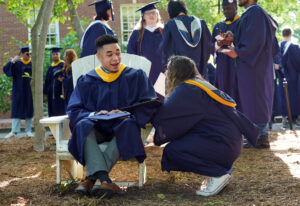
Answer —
(85, 187)
(263, 143)
(106, 190)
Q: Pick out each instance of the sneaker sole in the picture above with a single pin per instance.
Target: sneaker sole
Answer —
(218, 189)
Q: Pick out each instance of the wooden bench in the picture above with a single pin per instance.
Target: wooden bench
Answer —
(59, 125)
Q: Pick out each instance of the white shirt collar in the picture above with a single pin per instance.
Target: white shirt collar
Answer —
(151, 29)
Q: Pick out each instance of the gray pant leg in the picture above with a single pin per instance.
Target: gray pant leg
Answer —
(99, 159)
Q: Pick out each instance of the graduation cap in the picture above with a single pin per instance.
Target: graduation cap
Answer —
(55, 49)
(228, 2)
(225, 3)
(24, 49)
(148, 7)
(101, 6)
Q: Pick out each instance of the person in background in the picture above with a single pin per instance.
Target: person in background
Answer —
(20, 69)
(226, 68)
(255, 48)
(290, 61)
(67, 79)
(53, 85)
(97, 28)
(202, 126)
(186, 35)
(146, 37)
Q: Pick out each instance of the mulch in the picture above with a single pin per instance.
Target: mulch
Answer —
(260, 177)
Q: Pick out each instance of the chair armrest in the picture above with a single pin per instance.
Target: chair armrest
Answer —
(54, 120)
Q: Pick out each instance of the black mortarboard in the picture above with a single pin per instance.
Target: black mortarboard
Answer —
(55, 49)
(102, 6)
(148, 7)
(24, 49)
(228, 2)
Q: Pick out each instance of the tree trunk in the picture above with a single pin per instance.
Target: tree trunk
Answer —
(75, 18)
(38, 35)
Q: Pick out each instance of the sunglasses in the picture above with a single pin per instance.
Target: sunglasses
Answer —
(27, 54)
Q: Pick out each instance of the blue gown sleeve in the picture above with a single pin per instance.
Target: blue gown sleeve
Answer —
(295, 54)
(146, 92)
(207, 48)
(253, 40)
(76, 110)
(164, 47)
(9, 69)
(132, 47)
(89, 47)
(177, 116)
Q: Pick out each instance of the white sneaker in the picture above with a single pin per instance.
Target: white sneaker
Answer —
(11, 134)
(29, 134)
(214, 186)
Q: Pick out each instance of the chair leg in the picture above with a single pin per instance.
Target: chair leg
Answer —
(142, 174)
(58, 171)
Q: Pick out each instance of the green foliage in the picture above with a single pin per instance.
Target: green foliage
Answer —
(5, 90)
(24, 9)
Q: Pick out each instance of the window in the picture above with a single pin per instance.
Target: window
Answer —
(53, 33)
(129, 19)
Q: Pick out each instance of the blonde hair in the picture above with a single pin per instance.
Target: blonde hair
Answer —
(140, 25)
(180, 69)
(70, 57)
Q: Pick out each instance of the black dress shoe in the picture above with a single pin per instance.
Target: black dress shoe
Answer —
(85, 187)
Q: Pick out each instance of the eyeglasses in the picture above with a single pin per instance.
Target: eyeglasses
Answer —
(150, 13)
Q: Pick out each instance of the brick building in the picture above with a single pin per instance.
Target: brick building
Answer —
(14, 32)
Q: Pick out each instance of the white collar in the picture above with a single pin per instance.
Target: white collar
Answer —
(151, 29)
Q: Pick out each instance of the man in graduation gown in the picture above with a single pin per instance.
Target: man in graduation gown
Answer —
(97, 28)
(106, 90)
(226, 67)
(290, 61)
(186, 35)
(53, 85)
(255, 48)
(20, 69)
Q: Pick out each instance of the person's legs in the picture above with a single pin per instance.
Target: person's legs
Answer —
(28, 125)
(16, 125)
(99, 161)
(15, 128)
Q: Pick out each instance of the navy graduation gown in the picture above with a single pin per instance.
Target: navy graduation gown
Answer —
(211, 73)
(149, 49)
(93, 94)
(21, 100)
(173, 44)
(205, 136)
(53, 90)
(256, 47)
(68, 87)
(226, 68)
(290, 60)
(95, 29)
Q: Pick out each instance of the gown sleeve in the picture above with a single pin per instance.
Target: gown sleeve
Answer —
(9, 69)
(76, 110)
(132, 47)
(253, 40)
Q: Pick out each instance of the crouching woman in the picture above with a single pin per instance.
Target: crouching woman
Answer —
(202, 126)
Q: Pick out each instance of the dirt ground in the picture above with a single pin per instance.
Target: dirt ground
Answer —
(260, 177)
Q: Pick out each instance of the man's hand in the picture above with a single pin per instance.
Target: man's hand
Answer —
(102, 112)
(225, 39)
(115, 111)
(16, 58)
(60, 78)
(230, 52)
(276, 66)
